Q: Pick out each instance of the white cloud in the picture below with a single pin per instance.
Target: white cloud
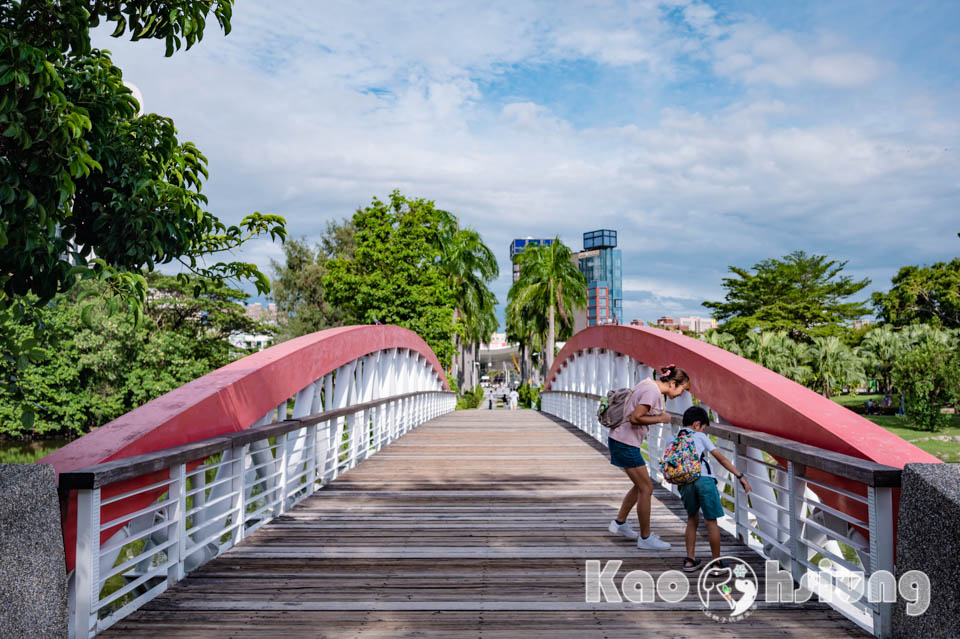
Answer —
(310, 113)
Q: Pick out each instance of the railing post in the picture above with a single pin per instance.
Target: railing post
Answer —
(880, 504)
(312, 458)
(87, 572)
(177, 529)
(282, 459)
(740, 497)
(795, 487)
(238, 487)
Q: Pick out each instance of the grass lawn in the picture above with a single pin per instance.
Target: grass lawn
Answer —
(948, 451)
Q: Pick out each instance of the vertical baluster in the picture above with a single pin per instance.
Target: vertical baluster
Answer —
(238, 488)
(282, 458)
(87, 571)
(176, 523)
(740, 497)
(881, 516)
(794, 491)
(312, 455)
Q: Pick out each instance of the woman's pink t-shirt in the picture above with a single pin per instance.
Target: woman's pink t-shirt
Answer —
(646, 392)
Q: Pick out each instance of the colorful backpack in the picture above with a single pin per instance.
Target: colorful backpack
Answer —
(680, 463)
(612, 407)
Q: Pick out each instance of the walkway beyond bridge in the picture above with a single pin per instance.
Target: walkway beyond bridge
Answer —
(474, 524)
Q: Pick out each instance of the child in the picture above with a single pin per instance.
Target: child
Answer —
(703, 494)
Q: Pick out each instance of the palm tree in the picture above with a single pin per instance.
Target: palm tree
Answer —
(832, 364)
(469, 265)
(778, 352)
(550, 284)
(880, 349)
(726, 341)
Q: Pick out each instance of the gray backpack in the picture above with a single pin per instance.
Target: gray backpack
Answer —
(613, 406)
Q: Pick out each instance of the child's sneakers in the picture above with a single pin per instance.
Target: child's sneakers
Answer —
(624, 529)
(652, 543)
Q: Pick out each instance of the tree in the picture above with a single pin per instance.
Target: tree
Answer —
(726, 341)
(923, 294)
(90, 190)
(880, 350)
(394, 276)
(549, 286)
(832, 364)
(298, 282)
(802, 294)
(776, 351)
(928, 376)
(97, 374)
(469, 266)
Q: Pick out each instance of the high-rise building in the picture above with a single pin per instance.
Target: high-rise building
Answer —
(602, 264)
(517, 246)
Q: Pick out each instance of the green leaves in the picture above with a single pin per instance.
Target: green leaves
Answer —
(923, 294)
(394, 274)
(550, 287)
(803, 294)
(82, 175)
(85, 376)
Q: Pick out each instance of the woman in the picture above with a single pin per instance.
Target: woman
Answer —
(644, 407)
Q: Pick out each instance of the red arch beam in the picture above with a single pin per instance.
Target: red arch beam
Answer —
(749, 395)
(753, 397)
(227, 400)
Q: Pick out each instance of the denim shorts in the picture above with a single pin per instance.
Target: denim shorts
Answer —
(624, 455)
(702, 495)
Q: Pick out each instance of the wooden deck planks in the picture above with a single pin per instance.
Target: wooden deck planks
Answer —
(476, 524)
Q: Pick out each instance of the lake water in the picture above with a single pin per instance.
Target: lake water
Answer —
(15, 452)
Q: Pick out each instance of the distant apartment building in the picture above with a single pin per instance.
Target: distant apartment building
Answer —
(256, 341)
(688, 324)
(601, 263)
(858, 324)
(517, 247)
(258, 313)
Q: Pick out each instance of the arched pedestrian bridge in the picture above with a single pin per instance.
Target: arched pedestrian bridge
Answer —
(326, 488)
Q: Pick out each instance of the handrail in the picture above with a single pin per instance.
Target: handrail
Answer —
(144, 522)
(860, 470)
(806, 501)
(111, 472)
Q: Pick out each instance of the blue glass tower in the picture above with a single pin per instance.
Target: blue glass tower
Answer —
(602, 264)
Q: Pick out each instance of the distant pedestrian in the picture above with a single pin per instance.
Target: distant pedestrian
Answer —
(902, 409)
(514, 399)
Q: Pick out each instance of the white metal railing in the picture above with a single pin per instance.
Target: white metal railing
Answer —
(144, 522)
(785, 517)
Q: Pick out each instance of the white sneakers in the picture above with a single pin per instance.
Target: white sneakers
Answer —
(625, 529)
(652, 543)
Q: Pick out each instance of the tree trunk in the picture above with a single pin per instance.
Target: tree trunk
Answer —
(523, 361)
(548, 360)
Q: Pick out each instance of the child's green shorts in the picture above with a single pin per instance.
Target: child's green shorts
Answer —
(702, 495)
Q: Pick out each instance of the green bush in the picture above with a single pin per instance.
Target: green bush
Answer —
(928, 376)
(529, 396)
(470, 399)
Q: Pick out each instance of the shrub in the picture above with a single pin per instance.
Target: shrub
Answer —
(928, 376)
(529, 396)
(470, 399)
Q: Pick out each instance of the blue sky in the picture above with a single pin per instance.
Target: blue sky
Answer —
(706, 133)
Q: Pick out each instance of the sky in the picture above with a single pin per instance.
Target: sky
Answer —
(707, 134)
